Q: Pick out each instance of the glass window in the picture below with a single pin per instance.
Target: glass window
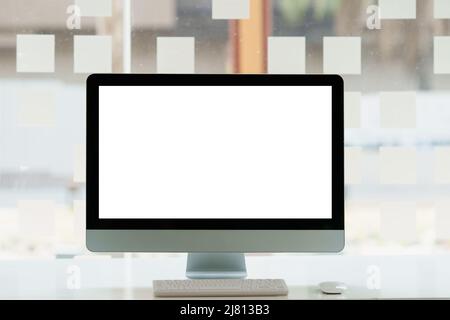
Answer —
(395, 66)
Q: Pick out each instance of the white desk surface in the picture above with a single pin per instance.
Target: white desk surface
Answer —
(397, 277)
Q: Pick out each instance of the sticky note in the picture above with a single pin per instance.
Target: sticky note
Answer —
(79, 171)
(36, 218)
(145, 16)
(398, 165)
(36, 107)
(442, 220)
(342, 55)
(362, 219)
(441, 166)
(94, 8)
(397, 9)
(441, 55)
(441, 9)
(353, 165)
(398, 221)
(230, 9)
(398, 110)
(79, 209)
(35, 53)
(92, 54)
(352, 109)
(286, 55)
(175, 55)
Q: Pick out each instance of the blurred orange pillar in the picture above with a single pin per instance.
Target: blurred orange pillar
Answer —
(248, 39)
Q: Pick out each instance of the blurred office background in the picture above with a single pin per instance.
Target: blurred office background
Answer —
(397, 81)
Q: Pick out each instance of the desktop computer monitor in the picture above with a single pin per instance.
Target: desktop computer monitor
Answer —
(215, 165)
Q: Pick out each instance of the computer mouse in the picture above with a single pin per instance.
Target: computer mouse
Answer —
(332, 287)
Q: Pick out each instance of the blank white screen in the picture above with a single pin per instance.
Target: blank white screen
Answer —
(215, 152)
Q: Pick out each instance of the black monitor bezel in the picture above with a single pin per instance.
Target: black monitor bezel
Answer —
(93, 82)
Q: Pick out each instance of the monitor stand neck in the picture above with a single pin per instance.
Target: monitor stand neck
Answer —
(216, 266)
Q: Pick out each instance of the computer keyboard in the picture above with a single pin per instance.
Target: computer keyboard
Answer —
(219, 288)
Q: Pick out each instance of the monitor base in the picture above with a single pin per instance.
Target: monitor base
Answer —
(216, 266)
